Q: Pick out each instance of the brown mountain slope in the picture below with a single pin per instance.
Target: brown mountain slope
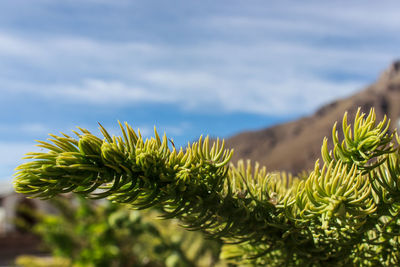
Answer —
(295, 146)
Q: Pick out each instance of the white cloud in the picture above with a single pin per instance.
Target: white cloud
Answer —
(370, 15)
(237, 78)
(259, 63)
(26, 128)
(13, 46)
(108, 92)
(73, 53)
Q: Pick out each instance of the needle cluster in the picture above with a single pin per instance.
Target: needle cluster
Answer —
(344, 213)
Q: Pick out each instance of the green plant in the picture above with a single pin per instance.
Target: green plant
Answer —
(344, 213)
(88, 233)
(34, 261)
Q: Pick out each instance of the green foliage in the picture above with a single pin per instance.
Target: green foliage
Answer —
(88, 233)
(34, 261)
(344, 213)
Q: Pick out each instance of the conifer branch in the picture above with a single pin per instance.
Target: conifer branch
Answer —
(345, 213)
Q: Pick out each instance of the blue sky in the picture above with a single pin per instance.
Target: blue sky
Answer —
(188, 67)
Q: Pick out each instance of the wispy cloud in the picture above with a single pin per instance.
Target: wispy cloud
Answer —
(260, 63)
(268, 80)
(26, 128)
(108, 92)
(313, 17)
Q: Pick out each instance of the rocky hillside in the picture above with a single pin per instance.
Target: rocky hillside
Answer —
(295, 146)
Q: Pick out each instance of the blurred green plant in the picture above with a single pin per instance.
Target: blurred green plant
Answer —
(35, 261)
(88, 233)
(343, 213)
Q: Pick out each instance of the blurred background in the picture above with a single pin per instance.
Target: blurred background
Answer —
(218, 68)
